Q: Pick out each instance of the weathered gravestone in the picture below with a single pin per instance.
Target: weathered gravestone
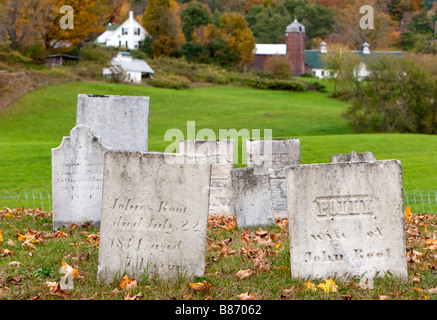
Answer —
(120, 121)
(154, 216)
(346, 220)
(275, 155)
(221, 153)
(77, 178)
(252, 197)
(353, 157)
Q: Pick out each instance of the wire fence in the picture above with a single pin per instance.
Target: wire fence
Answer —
(419, 202)
(27, 199)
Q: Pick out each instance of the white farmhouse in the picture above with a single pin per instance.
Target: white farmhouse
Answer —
(129, 35)
(128, 69)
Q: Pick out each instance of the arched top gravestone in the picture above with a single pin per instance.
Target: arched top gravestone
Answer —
(77, 177)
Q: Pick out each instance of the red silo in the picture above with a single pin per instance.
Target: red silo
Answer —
(295, 40)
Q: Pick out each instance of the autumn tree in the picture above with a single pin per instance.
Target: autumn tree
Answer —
(194, 15)
(116, 10)
(400, 95)
(347, 25)
(279, 67)
(207, 46)
(23, 21)
(90, 17)
(268, 23)
(344, 67)
(163, 23)
(235, 31)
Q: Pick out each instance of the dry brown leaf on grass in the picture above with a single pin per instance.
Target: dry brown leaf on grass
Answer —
(247, 296)
(200, 286)
(408, 214)
(243, 274)
(135, 297)
(55, 234)
(69, 270)
(328, 286)
(127, 284)
(6, 252)
(310, 286)
(432, 291)
(186, 296)
(1, 236)
(261, 233)
(55, 289)
(287, 291)
(93, 239)
(263, 242)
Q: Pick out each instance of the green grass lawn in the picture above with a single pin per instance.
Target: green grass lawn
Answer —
(35, 123)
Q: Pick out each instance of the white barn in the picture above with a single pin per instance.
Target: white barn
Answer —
(129, 35)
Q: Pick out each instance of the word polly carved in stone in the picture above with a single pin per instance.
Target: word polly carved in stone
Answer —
(344, 205)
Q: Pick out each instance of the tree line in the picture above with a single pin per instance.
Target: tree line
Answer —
(220, 30)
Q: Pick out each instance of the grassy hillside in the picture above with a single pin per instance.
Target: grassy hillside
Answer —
(35, 123)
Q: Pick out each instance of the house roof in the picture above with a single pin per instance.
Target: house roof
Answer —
(112, 27)
(63, 55)
(313, 58)
(137, 65)
(270, 49)
(295, 26)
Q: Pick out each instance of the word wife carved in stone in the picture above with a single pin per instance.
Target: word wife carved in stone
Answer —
(154, 216)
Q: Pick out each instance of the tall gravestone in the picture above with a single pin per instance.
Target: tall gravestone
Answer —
(120, 121)
(252, 197)
(221, 153)
(275, 155)
(346, 219)
(154, 215)
(77, 178)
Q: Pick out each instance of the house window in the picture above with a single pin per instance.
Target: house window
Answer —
(137, 31)
(124, 31)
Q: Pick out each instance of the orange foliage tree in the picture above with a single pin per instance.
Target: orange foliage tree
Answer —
(90, 17)
(162, 22)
